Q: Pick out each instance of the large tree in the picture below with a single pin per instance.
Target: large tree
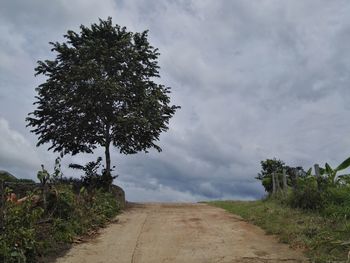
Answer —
(100, 90)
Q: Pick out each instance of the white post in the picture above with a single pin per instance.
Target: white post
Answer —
(273, 183)
(285, 179)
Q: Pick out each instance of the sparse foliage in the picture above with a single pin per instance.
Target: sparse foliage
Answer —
(94, 178)
(43, 175)
(331, 173)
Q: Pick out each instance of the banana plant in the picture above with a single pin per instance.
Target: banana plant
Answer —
(332, 173)
(308, 173)
(43, 176)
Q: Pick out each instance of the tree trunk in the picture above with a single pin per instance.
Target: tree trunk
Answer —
(108, 179)
(273, 183)
(107, 153)
(108, 159)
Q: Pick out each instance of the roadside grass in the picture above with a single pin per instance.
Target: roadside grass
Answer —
(322, 238)
(31, 234)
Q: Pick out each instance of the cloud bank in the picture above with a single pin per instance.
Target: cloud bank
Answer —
(255, 79)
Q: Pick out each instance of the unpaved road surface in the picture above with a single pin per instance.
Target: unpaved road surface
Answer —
(186, 233)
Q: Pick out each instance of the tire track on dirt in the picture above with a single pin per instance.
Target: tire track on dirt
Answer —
(138, 239)
(183, 233)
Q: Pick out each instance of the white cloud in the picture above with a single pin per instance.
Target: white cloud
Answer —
(16, 152)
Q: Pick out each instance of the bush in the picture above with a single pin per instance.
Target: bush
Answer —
(338, 195)
(94, 177)
(306, 195)
(337, 202)
(62, 203)
(314, 193)
(18, 239)
(30, 232)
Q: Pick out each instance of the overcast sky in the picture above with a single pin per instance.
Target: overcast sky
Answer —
(255, 80)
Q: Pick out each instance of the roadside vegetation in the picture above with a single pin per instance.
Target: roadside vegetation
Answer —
(322, 238)
(100, 91)
(53, 215)
(306, 210)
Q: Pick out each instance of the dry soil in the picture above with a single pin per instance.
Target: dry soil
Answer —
(186, 233)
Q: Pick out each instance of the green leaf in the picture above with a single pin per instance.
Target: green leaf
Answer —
(308, 173)
(322, 171)
(41, 176)
(345, 164)
(82, 190)
(329, 169)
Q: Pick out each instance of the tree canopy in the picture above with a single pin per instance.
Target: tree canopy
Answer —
(270, 166)
(100, 90)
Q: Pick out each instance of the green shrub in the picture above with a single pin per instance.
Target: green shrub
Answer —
(337, 203)
(30, 231)
(18, 239)
(94, 177)
(105, 206)
(61, 204)
(306, 195)
(64, 231)
(338, 195)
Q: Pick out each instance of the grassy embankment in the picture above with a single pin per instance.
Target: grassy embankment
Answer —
(323, 238)
(31, 233)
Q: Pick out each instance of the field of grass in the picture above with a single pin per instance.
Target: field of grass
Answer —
(324, 239)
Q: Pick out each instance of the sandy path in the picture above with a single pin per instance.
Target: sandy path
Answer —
(152, 233)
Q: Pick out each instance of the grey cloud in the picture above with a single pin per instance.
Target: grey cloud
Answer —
(255, 79)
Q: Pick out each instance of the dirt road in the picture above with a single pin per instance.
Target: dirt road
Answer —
(152, 233)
